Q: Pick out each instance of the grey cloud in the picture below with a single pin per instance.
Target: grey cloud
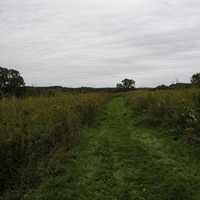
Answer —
(98, 42)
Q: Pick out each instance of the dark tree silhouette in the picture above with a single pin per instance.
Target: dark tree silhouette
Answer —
(3, 77)
(126, 84)
(195, 80)
(10, 80)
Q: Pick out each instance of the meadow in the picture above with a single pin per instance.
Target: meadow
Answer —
(139, 144)
(177, 111)
(34, 129)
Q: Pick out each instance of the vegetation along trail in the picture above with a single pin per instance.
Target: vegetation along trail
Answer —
(120, 160)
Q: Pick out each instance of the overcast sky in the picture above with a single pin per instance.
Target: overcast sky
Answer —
(99, 42)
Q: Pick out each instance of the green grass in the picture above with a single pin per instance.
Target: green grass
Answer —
(120, 160)
(175, 110)
(36, 134)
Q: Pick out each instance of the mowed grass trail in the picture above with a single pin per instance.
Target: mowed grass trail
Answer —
(119, 160)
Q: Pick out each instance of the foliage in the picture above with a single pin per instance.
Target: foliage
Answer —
(118, 160)
(196, 79)
(126, 84)
(10, 80)
(33, 129)
(177, 110)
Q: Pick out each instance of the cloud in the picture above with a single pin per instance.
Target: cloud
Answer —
(98, 42)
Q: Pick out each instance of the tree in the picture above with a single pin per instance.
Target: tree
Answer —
(10, 80)
(119, 85)
(3, 77)
(126, 84)
(162, 87)
(195, 80)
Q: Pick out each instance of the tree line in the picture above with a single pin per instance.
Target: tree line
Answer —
(130, 83)
(11, 82)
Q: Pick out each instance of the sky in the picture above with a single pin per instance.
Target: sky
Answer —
(97, 43)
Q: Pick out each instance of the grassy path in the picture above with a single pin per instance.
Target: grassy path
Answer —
(121, 161)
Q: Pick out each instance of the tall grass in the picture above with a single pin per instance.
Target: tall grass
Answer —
(175, 110)
(32, 129)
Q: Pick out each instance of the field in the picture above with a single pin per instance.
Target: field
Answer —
(178, 111)
(141, 145)
(33, 130)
